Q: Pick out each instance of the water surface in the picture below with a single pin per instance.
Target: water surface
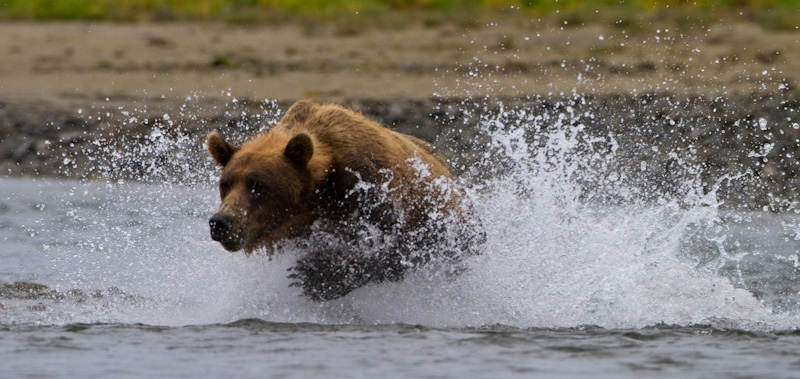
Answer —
(584, 273)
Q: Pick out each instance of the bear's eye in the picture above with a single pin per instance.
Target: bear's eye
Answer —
(256, 188)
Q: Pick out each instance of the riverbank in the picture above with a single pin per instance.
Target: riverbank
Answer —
(90, 100)
(81, 63)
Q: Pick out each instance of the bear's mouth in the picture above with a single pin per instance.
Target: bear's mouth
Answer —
(229, 242)
(231, 245)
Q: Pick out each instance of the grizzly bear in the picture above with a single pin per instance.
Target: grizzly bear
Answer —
(367, 202)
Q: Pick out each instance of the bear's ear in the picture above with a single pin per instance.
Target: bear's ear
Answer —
(219, 149)
(299, 150)
(300, 111)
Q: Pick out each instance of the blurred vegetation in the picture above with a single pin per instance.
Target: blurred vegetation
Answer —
(773, 14)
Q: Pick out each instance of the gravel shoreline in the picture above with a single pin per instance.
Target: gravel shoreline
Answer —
(743, 147)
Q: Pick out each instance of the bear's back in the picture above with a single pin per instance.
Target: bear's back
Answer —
(352, 138)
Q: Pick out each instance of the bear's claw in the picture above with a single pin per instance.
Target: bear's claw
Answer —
(331, 274)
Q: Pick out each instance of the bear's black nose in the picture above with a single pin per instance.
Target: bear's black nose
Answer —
(220, 224)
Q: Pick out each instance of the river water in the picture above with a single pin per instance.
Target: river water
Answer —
(113, 278)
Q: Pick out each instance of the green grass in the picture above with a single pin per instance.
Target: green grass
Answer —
(775, 14)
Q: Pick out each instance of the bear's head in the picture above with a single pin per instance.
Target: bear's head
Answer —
(265, 186)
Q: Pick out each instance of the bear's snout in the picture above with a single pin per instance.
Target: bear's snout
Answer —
(221, 227)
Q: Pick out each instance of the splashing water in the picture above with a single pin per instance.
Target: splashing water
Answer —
(575, 237)
(558, 256)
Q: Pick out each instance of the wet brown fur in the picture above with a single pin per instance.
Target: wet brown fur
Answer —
(304, 181)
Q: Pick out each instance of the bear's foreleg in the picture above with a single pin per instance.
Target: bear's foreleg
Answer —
(330, 274)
